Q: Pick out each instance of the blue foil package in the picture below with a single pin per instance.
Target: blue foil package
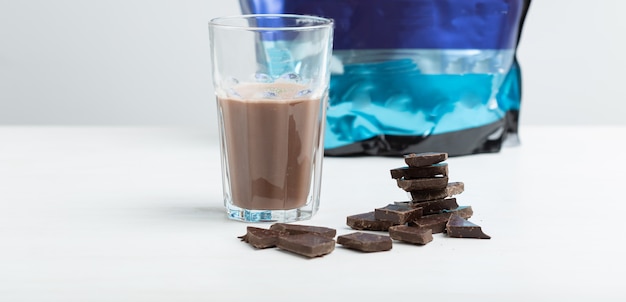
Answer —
(412, 76)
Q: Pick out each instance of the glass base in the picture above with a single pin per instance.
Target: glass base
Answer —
(236, 213)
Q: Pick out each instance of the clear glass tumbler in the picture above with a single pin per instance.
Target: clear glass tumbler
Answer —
(271, 77)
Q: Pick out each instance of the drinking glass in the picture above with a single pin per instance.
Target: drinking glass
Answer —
(271, 77)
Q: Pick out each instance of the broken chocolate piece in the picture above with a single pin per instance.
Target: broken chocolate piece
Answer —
(397, 214)
(367, 221)
(453, 188)
(420, 172)
(365, 242)
(431, 183)
(424, 159)
(306, 244)
(437, 222)
(432, 206)
(411, 234)
(261, 238)
(294, 229)
(460, 227)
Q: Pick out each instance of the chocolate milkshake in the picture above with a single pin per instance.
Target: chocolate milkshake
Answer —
(270, 138)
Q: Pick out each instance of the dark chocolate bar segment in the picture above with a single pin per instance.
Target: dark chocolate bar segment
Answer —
(365, 242)
(261, 238)
(460, 227)
(397, 214)
(453, 188)
(294, 229)
(411, 234)
(431, 183)
(424, 159)
(437, 222)
(420, 172)
(432, 206)
(367, 221)
(307, 244)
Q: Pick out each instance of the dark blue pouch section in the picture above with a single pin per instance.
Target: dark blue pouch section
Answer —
(418, 75)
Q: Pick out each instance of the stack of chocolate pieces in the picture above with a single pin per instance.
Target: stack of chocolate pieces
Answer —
(432, 208)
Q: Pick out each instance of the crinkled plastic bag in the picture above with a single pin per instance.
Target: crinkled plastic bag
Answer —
(418, 75)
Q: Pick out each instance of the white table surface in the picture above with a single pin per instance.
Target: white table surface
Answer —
(136, 214)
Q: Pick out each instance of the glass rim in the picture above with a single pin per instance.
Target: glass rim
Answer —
(324, 22)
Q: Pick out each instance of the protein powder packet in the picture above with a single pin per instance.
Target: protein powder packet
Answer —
(414, 76)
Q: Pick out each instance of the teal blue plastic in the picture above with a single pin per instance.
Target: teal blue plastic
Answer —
(396, 98)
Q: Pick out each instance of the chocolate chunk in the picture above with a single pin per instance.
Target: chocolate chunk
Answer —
(424, 159)
(431, 183)
(365, 242)
(411, 234)
(261, 238)
(460, 227)
(306, 244)
(294, 229)
(453, 188)
(437, 222)
(397, 214)
(420, 172)
(432, 206)
(367, 221)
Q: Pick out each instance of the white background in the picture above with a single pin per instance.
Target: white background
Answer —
(140, 62)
